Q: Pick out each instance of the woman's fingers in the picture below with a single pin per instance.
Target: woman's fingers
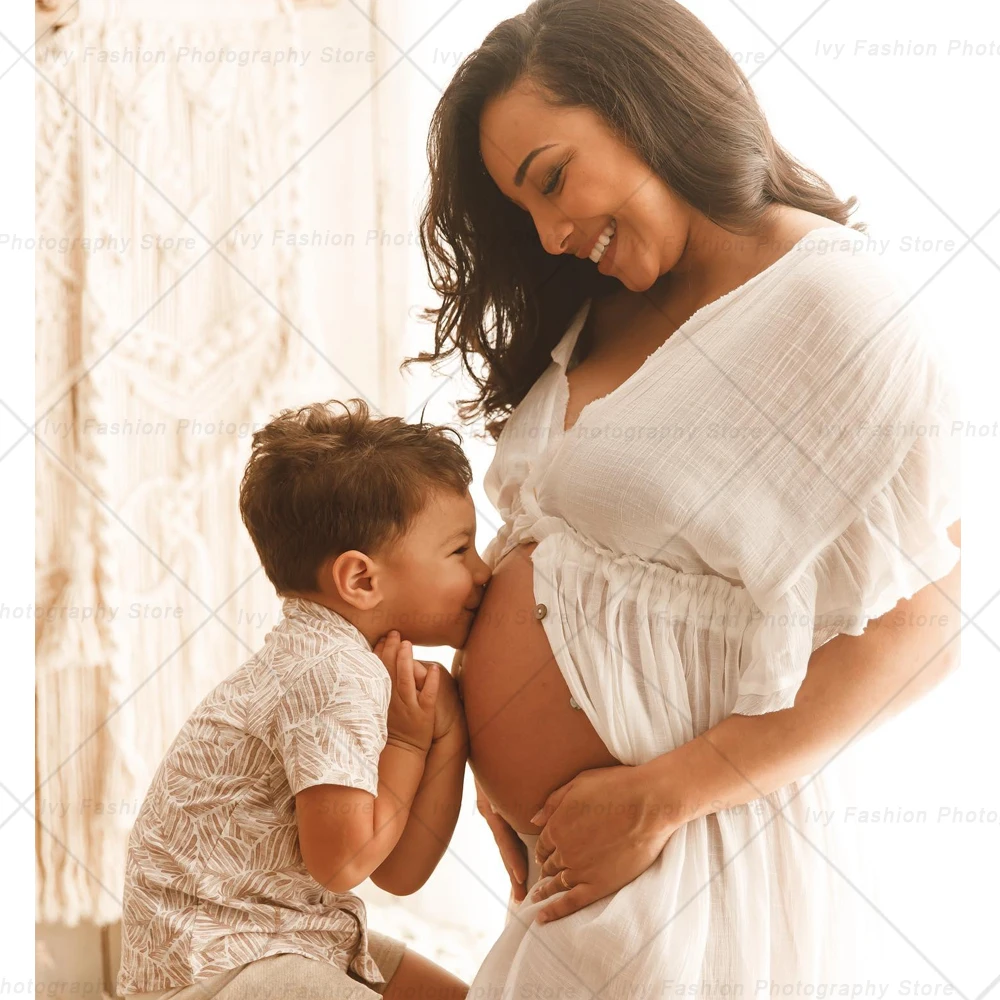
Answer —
(552, 864)
(545, 887)
(568, 902)
(543, 846)
(513, 853)
(483, 804)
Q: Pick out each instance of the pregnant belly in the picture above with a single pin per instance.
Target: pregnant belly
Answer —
(525, 738)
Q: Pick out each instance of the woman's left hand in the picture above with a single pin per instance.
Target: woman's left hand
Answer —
(600, 831)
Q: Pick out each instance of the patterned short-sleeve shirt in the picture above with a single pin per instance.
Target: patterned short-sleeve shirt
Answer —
(214, 877)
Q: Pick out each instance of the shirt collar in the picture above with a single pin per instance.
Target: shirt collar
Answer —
(323, 618)
(563, 351)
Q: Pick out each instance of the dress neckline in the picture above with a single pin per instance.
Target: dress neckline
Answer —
(563, 351)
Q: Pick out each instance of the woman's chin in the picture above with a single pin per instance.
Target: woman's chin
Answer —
(631, 284)
(646, 281)
(634, 282)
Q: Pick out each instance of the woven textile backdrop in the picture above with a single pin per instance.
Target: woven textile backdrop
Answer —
(151, 361)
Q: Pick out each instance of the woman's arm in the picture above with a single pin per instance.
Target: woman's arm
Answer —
(852, 685)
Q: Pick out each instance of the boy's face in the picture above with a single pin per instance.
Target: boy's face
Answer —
(434, 576)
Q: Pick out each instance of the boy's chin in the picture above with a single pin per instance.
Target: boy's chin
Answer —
(455, 636)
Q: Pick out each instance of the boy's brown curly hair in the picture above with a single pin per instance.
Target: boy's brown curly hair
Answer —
(320, 482)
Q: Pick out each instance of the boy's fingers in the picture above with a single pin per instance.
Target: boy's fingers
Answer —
(431, 683)
(404, 671)
(419, 672)
(390, 647)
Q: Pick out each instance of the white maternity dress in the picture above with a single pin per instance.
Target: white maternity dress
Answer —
(780, 470)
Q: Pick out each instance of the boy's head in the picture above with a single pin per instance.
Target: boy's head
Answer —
(369, 516)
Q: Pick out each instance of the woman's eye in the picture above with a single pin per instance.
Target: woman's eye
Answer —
(553, 180)
(464, 548)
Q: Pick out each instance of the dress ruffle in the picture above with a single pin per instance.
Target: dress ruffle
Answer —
(895, 547)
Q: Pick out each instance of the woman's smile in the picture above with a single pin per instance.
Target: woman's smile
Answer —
(600, 246)
(610, 252)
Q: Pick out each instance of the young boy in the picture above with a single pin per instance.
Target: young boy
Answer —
(330, 756)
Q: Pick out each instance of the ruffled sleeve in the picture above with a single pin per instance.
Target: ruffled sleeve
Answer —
(867, 524)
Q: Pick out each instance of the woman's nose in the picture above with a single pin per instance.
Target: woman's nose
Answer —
(555, 236)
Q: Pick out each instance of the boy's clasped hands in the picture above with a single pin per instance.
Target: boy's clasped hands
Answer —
(424, 706)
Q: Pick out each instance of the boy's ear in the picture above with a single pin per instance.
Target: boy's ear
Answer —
(352, 575)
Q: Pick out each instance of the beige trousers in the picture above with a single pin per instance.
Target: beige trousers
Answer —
(289, 977)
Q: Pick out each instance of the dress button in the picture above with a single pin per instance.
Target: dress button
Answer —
(541, 611)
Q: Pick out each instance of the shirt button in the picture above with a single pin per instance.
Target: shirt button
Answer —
(541, 611)
(573, 704)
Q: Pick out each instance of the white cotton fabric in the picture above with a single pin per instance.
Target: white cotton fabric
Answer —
(782, 469)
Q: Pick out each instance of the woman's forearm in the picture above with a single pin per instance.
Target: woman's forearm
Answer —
(853, 684)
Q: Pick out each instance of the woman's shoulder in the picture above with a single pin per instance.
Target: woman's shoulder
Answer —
(835, 263)
(842, 336)
(842, 290)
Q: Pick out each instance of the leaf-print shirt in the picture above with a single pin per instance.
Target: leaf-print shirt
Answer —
(214, 877)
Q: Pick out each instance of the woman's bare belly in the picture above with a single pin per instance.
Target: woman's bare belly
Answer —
(525, 738)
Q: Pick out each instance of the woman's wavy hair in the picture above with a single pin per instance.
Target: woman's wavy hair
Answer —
(670, 90)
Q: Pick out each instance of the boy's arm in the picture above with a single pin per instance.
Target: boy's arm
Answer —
(345, 833)
(432, 817)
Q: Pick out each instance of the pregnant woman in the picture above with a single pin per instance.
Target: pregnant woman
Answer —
(728, 494)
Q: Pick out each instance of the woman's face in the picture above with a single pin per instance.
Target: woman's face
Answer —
(583, 181)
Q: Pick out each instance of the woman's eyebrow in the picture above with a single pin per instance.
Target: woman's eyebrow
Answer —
(526, 162)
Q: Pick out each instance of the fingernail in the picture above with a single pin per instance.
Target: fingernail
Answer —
(534, 819)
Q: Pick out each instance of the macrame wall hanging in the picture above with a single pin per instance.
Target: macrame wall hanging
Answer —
(152, 365)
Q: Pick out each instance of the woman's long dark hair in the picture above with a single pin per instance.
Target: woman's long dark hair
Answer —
(669, 89)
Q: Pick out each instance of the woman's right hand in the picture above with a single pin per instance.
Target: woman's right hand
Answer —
(512, 849)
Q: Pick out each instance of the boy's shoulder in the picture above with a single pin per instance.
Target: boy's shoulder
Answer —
(304, 658)
(308, 656)
(302, 642)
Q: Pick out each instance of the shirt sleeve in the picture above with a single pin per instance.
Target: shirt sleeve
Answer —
(331, 726)
(868, 494)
